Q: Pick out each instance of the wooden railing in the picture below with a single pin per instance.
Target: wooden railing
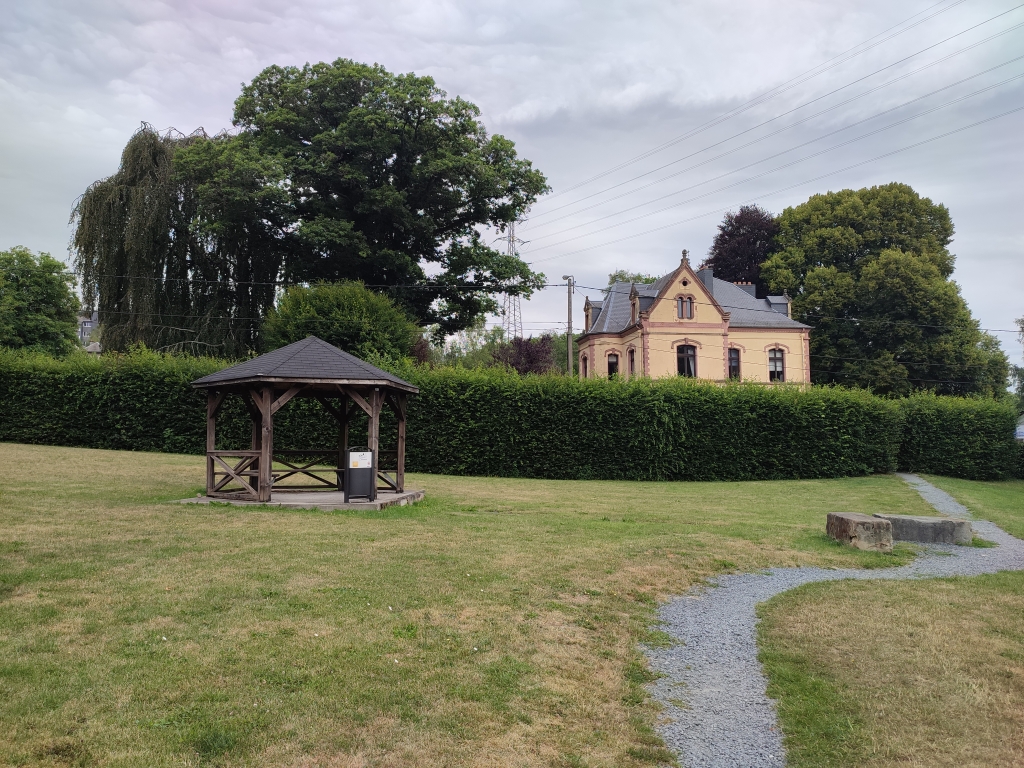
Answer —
(311, 464)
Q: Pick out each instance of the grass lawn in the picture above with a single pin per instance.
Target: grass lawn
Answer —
(494, 624)
(926, 673)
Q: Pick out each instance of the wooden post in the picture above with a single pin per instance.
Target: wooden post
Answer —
(213, 401)
(373, 428)
(342, 439)
(400, 400)
(266, 476)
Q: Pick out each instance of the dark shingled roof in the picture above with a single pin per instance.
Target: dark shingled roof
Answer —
(745, 311)
(307, 360)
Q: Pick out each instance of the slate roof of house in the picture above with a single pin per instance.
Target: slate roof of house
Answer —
(745, 311)
(311, 359)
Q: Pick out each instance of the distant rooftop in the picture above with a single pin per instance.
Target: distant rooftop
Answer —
(613, 314)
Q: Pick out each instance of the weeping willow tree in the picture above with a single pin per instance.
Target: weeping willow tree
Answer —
(181, 248)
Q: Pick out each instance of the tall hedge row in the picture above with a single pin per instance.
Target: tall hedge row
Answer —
(496, 423)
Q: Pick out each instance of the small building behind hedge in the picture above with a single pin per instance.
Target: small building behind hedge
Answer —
(689, 323)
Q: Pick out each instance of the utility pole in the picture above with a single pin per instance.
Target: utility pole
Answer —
(570, 283)
(512, 313)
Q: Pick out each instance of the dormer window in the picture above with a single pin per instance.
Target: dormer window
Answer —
(684, 307)
(632, 314)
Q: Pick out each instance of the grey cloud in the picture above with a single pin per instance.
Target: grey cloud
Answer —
(580, 86)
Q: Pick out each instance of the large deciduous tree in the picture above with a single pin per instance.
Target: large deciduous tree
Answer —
(870, 271)
(338, 171)
(389, 183)
(38, 305)
(744, 242)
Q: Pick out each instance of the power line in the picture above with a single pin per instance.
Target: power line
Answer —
(778, 90)
(558, 322)
(902, 362)
(784, 152)
(820, 317)
(751, 199)
(776, 132)
(282, 283)
(748, 362)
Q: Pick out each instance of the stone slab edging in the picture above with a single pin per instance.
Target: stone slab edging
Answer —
(717, 713)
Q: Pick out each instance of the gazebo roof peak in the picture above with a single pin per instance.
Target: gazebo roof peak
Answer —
(310, 361)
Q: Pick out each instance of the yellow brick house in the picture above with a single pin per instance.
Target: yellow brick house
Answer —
(690, 323)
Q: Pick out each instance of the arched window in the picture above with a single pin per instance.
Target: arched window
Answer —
(584, 366)
(734, 363)
(631, 362)
(776, 365)
(613, 365)
(686, 360)
(684, 307)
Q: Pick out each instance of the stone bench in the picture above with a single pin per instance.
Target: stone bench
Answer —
(860, 531)
(929, 530)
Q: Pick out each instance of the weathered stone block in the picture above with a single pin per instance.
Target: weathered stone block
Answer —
(860, 531)
(929, 530)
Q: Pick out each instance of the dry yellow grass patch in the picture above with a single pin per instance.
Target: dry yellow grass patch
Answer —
(494, 624)
(923, 673)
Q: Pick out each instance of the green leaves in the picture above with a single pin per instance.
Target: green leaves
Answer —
(869, 271)
(386, 175)
(346, 315)
(37, 303)
(491, 422)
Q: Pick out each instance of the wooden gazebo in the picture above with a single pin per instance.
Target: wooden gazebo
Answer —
(313, 368)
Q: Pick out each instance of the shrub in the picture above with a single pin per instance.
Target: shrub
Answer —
(495, 422)
(959, 437)
(347, 315)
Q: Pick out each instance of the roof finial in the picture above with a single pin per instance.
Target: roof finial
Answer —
(686, 258)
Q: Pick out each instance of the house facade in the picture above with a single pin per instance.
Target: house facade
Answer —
(689, 323)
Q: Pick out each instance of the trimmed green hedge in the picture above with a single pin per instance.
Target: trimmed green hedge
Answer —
(491, 422)
(959, 437)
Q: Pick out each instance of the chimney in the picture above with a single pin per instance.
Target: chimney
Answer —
(707, 276)
(748, 287)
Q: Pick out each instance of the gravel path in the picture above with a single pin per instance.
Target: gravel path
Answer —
(717, 712)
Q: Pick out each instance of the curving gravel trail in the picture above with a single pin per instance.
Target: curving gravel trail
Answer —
(717, 712)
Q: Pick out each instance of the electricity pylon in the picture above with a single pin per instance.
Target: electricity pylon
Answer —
(511, 311)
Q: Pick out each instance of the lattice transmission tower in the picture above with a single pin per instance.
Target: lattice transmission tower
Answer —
(511, 310)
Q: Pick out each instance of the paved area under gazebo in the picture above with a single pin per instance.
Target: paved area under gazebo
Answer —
(325, 500)
(312, 477)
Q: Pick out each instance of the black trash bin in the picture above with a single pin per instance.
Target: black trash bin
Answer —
(360, 475)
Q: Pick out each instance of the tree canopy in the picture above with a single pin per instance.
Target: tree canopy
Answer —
(870, 271)
(346, 315)
(38, 306)
(180, 248)
(339, 171)
(625, 276)
(744, 242)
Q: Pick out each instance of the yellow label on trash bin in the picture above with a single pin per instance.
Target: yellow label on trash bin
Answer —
(360, 460)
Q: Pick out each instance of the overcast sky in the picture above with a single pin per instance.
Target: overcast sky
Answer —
(582, 88)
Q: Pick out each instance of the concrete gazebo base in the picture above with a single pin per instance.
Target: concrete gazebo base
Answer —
(325, 500)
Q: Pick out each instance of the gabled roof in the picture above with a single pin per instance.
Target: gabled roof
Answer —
(745, 311)
(310, 360)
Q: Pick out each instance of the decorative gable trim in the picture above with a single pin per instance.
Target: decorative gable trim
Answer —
(695, 286)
